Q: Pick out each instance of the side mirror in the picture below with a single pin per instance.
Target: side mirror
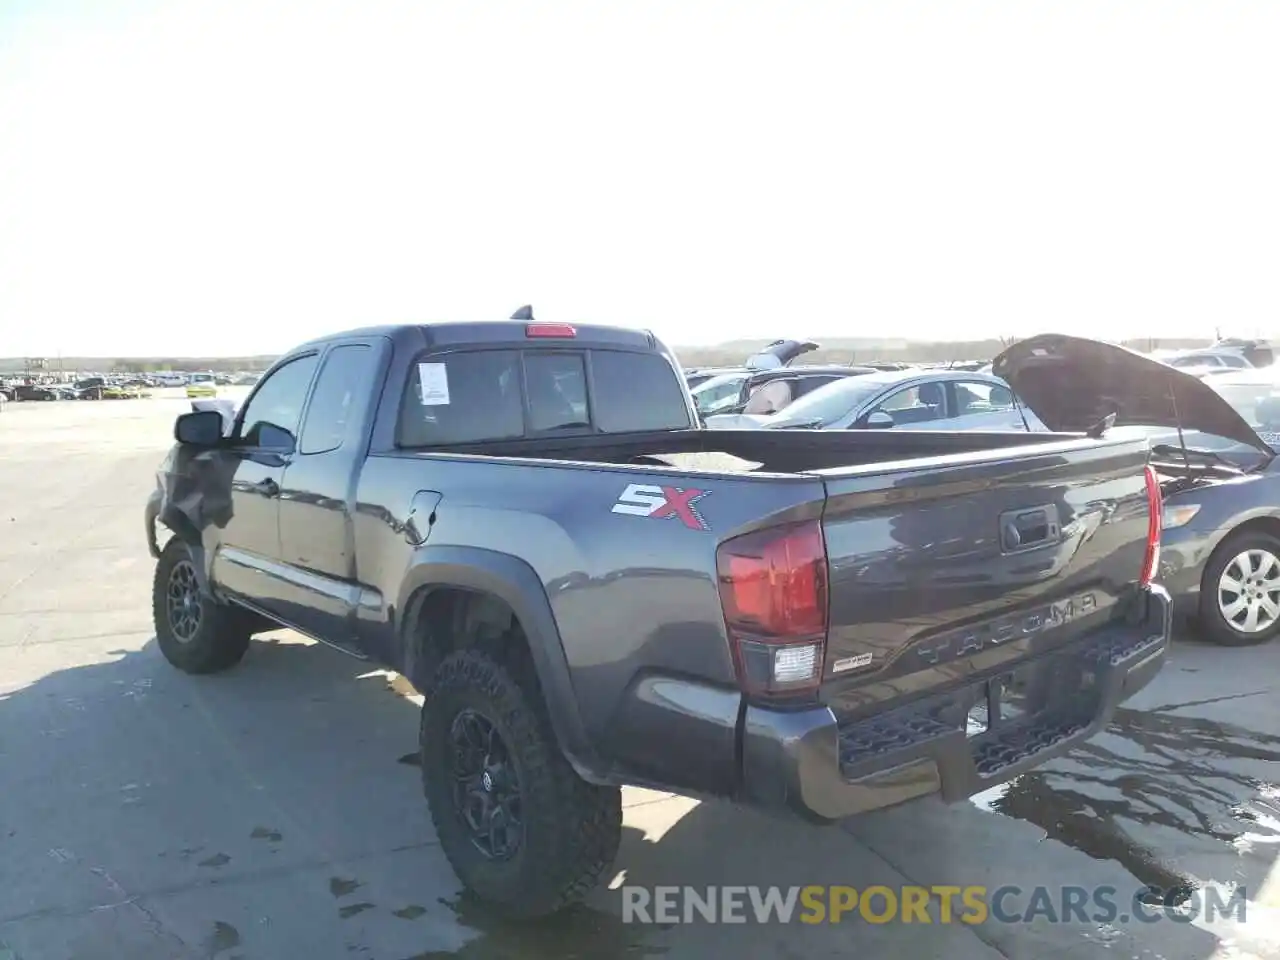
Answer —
(877, 420)
(201, 428)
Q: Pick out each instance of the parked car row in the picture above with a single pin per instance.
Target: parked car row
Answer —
(117, 387)
(90, 388)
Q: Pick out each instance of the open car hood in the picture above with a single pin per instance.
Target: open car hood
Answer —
(1071, 384)
(779, 354)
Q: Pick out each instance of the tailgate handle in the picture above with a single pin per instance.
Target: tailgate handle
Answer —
(1023, 529)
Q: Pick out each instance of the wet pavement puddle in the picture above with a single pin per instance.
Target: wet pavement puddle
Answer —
(579, 933)
(1177, 801)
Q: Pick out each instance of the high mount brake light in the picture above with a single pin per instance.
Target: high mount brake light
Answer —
(773, 589)
(550, 330)
(1155, 523)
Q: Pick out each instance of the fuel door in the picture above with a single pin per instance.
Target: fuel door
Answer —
(421, 517)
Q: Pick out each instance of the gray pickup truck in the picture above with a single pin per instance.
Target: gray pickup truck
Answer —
(524, 519)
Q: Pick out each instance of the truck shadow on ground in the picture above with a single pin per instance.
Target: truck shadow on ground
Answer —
(288, 767)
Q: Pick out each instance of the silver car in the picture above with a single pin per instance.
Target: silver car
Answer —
(899, 399)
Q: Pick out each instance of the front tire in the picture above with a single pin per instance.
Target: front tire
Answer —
(521, 830)
(1240, 591)
(195, 633)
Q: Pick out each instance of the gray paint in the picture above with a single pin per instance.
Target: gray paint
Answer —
(622, 612)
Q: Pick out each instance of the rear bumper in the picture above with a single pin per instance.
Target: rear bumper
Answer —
(807, 762)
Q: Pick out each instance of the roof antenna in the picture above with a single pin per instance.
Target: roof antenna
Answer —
(524, 313)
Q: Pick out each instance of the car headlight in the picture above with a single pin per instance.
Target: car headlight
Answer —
(1178, 514)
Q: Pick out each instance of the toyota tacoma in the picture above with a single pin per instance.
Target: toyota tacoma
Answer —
(525, 520)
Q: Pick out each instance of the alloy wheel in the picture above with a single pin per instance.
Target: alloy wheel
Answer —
(486, 786)
(183, 602)
(1249, 591)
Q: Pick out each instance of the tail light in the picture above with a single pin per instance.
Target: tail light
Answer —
(549, 330)
(773, 589)
(1155, 507)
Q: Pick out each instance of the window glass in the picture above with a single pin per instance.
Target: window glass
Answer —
(829, 403)
(975, 396)
(718, 393)
(901, 400)
(804, 385)
(557, 389)
(343, 385)
(1196, 360)
(636, 392)
(915, 404)
(278, 400)
(463, 397)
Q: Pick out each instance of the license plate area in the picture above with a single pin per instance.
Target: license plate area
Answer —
(1028, 693)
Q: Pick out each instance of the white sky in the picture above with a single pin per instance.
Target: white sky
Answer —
(233, 177)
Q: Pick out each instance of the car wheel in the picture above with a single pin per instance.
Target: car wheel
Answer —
(1240, 592)
(518, 825)
(194, 632)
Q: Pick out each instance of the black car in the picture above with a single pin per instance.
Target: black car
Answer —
(1214, 445)
(736, 392)
(31, 391)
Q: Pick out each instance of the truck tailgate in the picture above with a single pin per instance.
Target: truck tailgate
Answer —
(943, 572)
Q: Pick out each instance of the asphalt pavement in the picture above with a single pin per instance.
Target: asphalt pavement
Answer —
(275, 811)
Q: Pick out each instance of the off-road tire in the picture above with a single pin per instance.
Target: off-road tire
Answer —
(223, 634)
(1213, 623)
(571, 828)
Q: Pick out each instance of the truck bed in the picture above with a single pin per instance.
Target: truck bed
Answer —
(758, 451)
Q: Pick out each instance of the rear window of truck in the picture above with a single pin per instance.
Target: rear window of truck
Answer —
(470, 396)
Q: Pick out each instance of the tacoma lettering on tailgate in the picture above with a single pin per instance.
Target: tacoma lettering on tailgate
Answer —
(970, 640)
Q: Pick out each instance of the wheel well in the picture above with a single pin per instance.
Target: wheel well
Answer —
(442, 620)
(180, 525)
(1267, 525)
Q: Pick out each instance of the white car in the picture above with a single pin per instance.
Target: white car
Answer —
(900, 400)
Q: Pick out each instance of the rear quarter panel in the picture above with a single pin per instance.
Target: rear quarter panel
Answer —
(630, 594)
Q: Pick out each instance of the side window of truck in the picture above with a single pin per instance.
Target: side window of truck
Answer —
(278, 400)
(341, 390)
(462, 397)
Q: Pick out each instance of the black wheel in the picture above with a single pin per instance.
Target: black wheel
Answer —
(520, 828)
(195, 633)
(1240, 591)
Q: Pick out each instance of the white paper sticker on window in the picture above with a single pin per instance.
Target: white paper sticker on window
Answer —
(433, 383)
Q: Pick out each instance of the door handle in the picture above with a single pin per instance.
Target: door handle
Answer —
(267, 487)
(1024, 529)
